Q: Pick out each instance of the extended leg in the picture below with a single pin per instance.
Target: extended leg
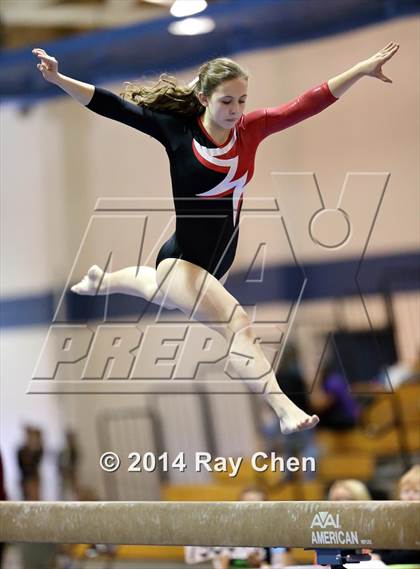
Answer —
(135, 281)
(202, 297)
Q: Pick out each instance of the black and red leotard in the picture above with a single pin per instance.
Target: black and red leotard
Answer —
(208, 179)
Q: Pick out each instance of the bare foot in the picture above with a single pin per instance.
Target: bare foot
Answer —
(92, 283)
(294, 419)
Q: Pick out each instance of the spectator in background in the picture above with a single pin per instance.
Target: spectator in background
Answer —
(349, 489)
(332, 400)
(67, 463)
(29, 457)
(409, 485)
(2, 497)
(401, 373)
(408, 490)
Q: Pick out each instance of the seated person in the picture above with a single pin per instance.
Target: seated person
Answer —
(333, 401)
(408, 489)
(349, 489)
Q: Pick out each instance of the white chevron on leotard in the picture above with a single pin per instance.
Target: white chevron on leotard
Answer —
(210, 155)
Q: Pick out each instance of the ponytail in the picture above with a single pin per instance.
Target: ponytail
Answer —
(167, 96)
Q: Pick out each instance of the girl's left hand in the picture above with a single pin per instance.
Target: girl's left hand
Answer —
(373, 65)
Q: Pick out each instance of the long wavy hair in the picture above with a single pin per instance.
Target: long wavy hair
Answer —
(167, 96)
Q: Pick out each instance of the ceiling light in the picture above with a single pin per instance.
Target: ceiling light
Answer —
(192, 26)
(182, 8)
(161, 2)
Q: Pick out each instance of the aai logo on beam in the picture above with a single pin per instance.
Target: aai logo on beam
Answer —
(330, 532)
(325, 520)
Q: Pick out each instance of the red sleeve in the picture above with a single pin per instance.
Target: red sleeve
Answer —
(275, 119)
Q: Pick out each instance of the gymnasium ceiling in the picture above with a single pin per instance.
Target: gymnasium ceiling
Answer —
(29, 22)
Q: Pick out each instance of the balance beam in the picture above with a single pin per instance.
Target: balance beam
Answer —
(346, 525)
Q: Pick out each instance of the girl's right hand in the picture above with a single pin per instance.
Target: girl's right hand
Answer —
(48, 65)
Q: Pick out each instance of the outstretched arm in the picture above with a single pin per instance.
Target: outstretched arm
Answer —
(371, 67)
(104, 102)
(48, 65)
(264, 122)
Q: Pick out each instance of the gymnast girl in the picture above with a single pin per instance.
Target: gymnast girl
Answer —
(211, 146)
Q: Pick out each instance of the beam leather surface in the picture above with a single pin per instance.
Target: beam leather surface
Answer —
(382, 525)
